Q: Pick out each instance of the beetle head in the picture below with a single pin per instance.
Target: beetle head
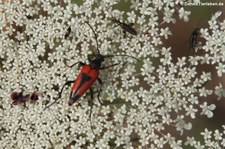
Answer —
(96, 60)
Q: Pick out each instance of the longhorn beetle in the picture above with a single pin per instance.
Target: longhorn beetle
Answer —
(193, 39)
(87, 76)
(126, 27)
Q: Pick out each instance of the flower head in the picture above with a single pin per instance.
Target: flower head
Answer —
(143, 97)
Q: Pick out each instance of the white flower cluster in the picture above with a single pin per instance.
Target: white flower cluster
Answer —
(212, 139)
(141, 101)
(214, 46)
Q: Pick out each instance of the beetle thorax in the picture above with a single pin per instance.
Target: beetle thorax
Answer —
(96, 62)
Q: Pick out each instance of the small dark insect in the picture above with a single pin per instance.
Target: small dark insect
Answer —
(19, 98)
(67, 33)
(126, 27)
(193, 39)
(33, 97)
(29, 17)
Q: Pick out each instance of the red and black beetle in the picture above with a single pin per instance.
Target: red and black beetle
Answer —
(87, 75)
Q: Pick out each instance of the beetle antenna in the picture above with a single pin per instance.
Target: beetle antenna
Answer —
(60, 93)
(95, 36)
(123, 55)
(51, 104)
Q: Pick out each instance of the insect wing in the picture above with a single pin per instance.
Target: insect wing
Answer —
(85, 79)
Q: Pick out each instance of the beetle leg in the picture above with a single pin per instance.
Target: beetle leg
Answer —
(60, 93)
(100, 89)
(91, 93)
(67, 32)
(109, 66)
(91, 105)
(124, 34)
(80, 64)
(131, 24)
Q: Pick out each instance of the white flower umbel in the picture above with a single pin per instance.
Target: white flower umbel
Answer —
(145, 104)
(215, 45)
(211, 139)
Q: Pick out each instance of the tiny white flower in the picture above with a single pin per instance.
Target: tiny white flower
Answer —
(219, 91)
(184, 14)
(206, 134)
(190, 141)
(207, 110)
(191, 111)
(217, 135)
(220, 69)
(165, 32)
(204, 92)
(131, 16)
(168, 13)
